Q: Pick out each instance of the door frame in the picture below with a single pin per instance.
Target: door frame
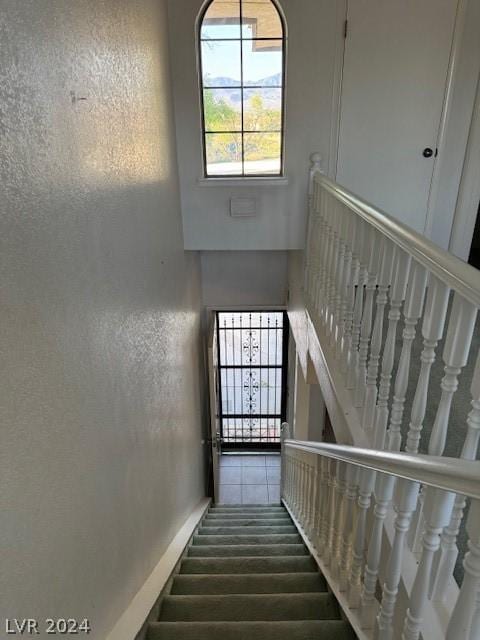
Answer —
(212, 313)
(445, 153)
(213, 387)
(452, 144)
(469, 193)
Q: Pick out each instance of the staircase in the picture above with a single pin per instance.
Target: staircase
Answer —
(248, 575)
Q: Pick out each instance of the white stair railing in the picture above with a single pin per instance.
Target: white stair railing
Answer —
(371, 284)
(312, 473)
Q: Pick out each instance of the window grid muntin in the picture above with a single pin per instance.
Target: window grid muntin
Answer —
(242, 86)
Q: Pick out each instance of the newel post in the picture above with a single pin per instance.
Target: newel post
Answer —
(315, 167)
(284, 435)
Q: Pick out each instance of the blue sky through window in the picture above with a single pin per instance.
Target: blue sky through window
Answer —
(222, 59)
(242, 125)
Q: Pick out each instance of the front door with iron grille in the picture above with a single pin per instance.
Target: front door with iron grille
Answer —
(253, 365)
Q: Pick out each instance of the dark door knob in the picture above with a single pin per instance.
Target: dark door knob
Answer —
(427, 152)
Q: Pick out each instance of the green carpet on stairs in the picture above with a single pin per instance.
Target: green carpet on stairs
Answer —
(248, 576)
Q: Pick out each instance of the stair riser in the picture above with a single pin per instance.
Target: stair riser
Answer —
(232, 551)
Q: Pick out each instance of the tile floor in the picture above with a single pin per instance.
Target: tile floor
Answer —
(250, 479)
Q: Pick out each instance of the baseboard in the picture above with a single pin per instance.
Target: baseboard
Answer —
(133, 618)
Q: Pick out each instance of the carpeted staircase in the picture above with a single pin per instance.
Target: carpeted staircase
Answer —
(248, 576)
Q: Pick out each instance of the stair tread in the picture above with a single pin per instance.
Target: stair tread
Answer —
(249, 564)
(245, 530)
(281, 630)
(260, 515)
(246, 522)
(249, 505)
(249, 576)
(243, 507)
(259, 538)
(241, 607)
(210, 584)
(233, 550)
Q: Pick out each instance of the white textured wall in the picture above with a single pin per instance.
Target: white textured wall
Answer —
(249, 278)
(100, 400)
(280, 223)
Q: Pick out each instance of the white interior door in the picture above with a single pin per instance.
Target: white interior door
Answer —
(394, 79)
(213, 380)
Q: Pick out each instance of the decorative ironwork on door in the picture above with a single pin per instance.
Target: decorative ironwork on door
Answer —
(252, 364)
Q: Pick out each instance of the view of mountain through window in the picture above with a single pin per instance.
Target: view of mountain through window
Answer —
(242, 69)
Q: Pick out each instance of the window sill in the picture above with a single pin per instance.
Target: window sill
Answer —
(274, 181)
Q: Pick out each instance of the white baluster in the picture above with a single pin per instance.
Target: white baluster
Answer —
(338, 280)
(318, 501)
(320, 207)
(324, 505)
(330, 257)
(313, 494)
(289, 485)
(371, 251)
(367, 480)
(303, 493)
(332, 499)
(308, 254)
(446, 559)
(397, 296)
(432, 331)
(306, 489)
(348, 526)
(347, 262)
(412, 311)
(465, 618)
(455, 355)
(358, 306)
(322, 250)
(350, 297)
(406, 494)
(339, 519)
(475, 626)
(368, 604)
(336, 262)
(384, 280)
(438, 509)
(296, 474)
(284, 435)
(315, 166)
(314, 244)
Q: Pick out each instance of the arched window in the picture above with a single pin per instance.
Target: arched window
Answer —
(242, 72)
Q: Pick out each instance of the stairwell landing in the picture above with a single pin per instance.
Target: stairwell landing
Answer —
(247, 575)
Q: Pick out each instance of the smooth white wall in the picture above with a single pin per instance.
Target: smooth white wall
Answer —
(280, 223)
(244, 278)
(100, 456)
